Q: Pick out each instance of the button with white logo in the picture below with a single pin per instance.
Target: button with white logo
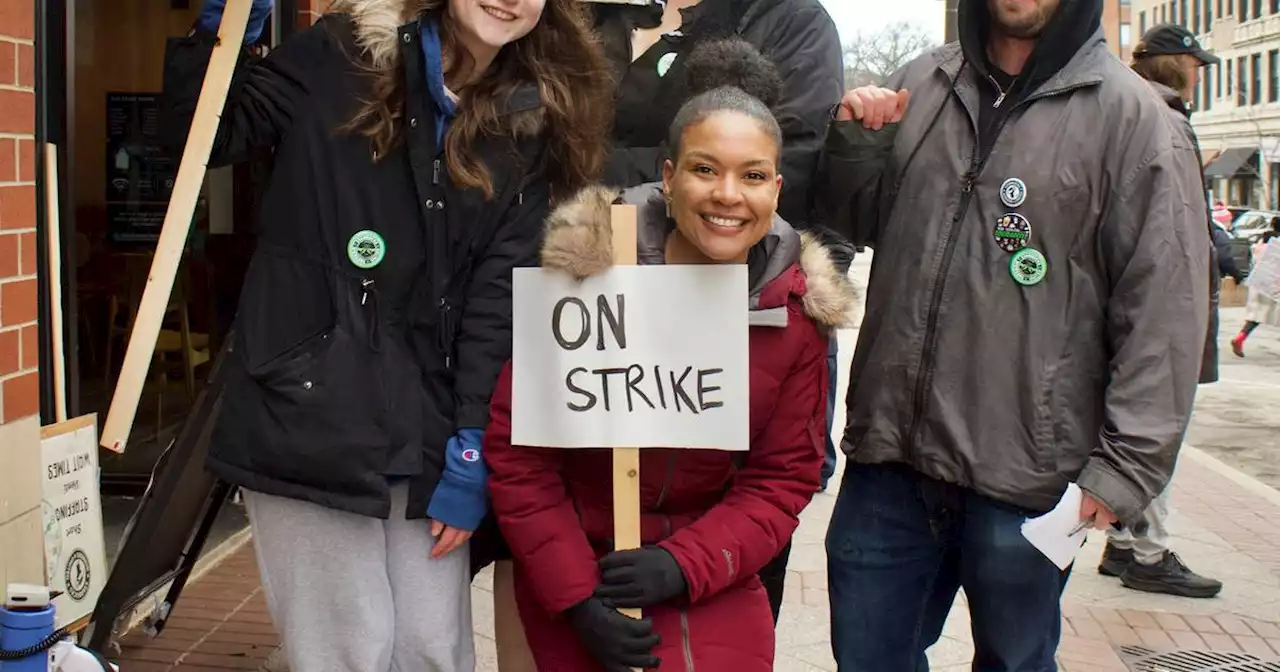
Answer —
(1013, 192)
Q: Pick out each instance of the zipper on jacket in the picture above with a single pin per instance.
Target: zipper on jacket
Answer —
(666, 481)
(686, 641)
(924, 374)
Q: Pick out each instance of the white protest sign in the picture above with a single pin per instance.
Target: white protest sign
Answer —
(638, 356)
(75, 553)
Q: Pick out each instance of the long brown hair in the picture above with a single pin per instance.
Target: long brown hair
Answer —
(1164, 69)
(561, 56)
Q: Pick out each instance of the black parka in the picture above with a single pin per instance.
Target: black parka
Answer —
(340, 377)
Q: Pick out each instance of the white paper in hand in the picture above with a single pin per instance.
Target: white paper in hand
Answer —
(1052, 534)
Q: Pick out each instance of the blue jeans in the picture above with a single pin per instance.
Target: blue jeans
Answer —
(901, 545)
(829, 463)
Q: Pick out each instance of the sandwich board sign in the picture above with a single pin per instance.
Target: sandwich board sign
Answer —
(71, 507)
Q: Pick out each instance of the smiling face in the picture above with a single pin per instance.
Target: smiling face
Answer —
(724, 185)
(485, 26)
(1022, 19)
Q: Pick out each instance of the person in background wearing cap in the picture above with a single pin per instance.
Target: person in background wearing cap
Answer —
(1170, 58)
(1035, 320)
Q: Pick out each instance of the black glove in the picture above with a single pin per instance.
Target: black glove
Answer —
(639, 578)
(619, 643)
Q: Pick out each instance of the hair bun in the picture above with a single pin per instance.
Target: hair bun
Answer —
(733, 62)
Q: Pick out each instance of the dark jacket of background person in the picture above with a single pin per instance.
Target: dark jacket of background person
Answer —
(798, 35)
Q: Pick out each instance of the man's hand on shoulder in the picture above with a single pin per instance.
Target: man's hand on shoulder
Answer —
(874, 106)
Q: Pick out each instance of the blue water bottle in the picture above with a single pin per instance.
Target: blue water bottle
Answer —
(26, 623)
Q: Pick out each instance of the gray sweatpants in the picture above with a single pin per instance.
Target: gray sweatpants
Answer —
(355, 594)
(1148, 548)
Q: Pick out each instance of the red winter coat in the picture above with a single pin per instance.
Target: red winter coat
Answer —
(722, 515)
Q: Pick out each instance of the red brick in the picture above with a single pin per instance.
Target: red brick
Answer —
(8, 157)
(17, 204)
(1255, 645)
(30, 347)
(1075, 610)
(27, 253)
(26, 65)
(21, 397)
(1233, 625)
(8, 63)
(1186, 639)
(18, 19)
(1105, 615)
(26, 160)
(1171, 622)
(10, 355)
(1138, 619)
(17, 302)
(1264, 629)
(1121, 635)
(9, 266)
(1088, 628)
(224, 662)
(1203, 624)
(17, 108)
(1155, 638)
(1220, 642)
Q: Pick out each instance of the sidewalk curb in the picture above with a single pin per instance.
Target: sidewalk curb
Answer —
(1253, 485)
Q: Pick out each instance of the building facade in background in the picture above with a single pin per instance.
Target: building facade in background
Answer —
(1237, 104)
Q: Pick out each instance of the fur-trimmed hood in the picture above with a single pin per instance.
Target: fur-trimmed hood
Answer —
(377, 25)
(579, 242)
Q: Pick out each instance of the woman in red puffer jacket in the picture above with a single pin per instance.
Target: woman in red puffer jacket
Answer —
(710, 519)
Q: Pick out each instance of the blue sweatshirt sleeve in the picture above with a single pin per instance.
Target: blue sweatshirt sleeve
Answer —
(461, 498)
(211, 18)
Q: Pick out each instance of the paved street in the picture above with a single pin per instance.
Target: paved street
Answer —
(1226, 522)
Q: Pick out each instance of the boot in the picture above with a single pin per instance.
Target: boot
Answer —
(1171, 577)
(1237, 344)
(1115, 560)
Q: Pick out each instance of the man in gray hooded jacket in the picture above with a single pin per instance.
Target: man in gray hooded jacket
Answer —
(1035, 318)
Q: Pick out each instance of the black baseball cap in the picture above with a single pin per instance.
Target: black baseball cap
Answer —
(1168, 39)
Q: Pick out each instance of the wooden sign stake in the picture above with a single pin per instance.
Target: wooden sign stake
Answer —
(177, 226)
(626, 461)
(53, 244)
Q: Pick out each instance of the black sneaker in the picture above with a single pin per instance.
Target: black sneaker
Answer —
(1115, 560)
(1171, 577)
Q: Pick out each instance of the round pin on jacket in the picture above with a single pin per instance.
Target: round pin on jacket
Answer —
(1013, 192)
(664, 63)
(1028, 266)
(1012, 232)
(366, 249)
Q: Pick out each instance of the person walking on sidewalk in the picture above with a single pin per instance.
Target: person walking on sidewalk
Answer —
(1259, 308)
(1036, 318)
(416, 145)
(1169, 57)
(709, 519)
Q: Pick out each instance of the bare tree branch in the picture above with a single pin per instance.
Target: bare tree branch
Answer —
(869, 58)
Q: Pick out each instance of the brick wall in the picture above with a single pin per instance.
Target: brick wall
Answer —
(309, 11)
(21, 545)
